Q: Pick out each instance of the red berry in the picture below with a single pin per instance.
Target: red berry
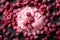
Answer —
(11, 36)
(57, 23)
(15, 39)
(4, 30)
(27, 38)
(33, 32)
(57, 1)
(7, 3)
(35, 37)
(31, 19)
(57, 6)
(49, 24)
(5, 38)
(47, 14)
(44, 38)
(1, 10)
(15, 27)
(7, 33)
(46, 20)
(28, 14)
(52, 18)
(18, 4)
(31, 37)
(25, 34)
(48, 33)
(54, 14)
(43, 1)
(0, 37)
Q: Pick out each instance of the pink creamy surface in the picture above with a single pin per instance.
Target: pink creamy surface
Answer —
(23, 18)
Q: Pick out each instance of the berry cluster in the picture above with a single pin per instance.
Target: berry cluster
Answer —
(41, 23)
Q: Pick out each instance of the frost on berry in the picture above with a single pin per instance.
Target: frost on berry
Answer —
(29, 18)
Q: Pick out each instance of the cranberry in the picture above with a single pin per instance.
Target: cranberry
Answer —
(25, 23)
(5, 38)
(18, 1)
(58, 37)
(39, 4)
(11, 36)
(43, 11)
(53, 29)
(18, 30)
(49, 24)
(43, 1)
(13, 23)
(11, 9)
(47, 14)
(46, 20)
(36, 0)
(34, 33)
(1, 10)
(0, 37)
(1, 21)
(15, 39)
(5, 12)
(44, 38)
(4, 30)
(15, 27)
(58, 32)
(57, 13)
(2, 6)
(41, 32)
(28, 14)
(48, 8)
(35, 37)
(52, 18)
(27, 38)
(17, 34)
(41, 28)
(15, 11)
(50, 29)
(35, 3)
(45, 29)
(9, 25)
(57, 23)
(30, 26)
(29, 34)
(38, 32)
(57, 6)
(7, 33)
(48, 33)
(53, 4)
(53, 25)
(31, 37)
(18, 4)
(54, 14)
(8, 17)
(19, 9)
(31, 19)
(13, 5)
(7, 3)
(57, 1)
(25, 34)
(3, 1)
